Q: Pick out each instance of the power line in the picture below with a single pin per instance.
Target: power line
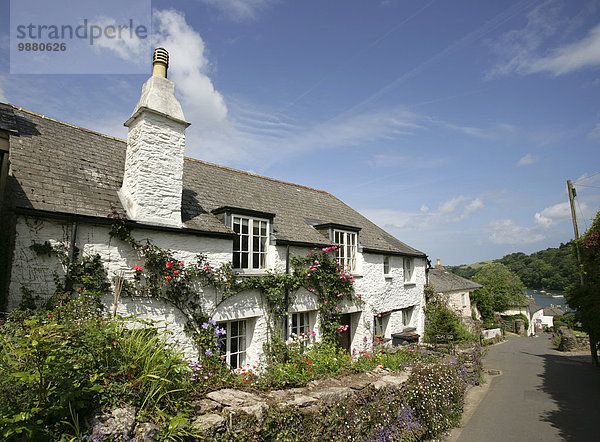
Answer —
(581, 212)
(583, 185)
(588, 177)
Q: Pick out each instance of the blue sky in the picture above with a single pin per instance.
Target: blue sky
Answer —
(453, 125)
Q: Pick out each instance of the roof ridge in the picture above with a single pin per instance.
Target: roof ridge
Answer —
(67, 124)
(189, 158)
(258, 176)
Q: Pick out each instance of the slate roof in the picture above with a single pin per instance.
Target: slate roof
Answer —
(445, 281)
(553, 311)
(532, 306)
(61, 168)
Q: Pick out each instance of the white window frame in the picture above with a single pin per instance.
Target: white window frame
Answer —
(408, 265)
(235, 358)
(299, 323)
(379, 325)
(249, 250)
(387, 266)
(407, 314)
(347, 248)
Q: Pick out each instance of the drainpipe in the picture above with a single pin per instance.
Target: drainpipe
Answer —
(286, 294)
(72, 246)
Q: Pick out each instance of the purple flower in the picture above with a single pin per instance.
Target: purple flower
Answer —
(205, 325)
(208, 352)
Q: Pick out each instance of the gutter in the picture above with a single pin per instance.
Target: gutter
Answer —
(107, 221)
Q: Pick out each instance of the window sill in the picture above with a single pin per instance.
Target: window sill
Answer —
(250, 272)
(388, 276)
(410, 284)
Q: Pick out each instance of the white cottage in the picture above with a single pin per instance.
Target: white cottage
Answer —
(455, 289)
(61, 181)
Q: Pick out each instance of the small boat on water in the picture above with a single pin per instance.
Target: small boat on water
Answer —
(557, 296)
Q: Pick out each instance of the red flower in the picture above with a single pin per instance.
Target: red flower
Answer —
(51, 316)
(138, 269)
(169, 265)
(114, 342)
(168, 278)
(176, 272)
(181, 263)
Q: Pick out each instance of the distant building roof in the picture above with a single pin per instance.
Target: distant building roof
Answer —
(553, 311)
(532, 306)
(445, 281)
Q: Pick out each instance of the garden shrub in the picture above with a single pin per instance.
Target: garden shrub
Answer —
(442, 321)
(58, 367)
(436, 393)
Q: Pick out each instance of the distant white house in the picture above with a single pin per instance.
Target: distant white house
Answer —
(532, 312)
(548, 314)
(455, 289)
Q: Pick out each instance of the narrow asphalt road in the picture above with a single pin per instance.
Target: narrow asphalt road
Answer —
(541, 395)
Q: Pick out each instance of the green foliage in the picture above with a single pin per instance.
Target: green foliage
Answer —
(300, 360)
(585, 299)
(331, 282)
(511, 318)
(553, 268)
(369, 414)
(436, 393)
(57, 367)
(441, 320)
(501, 290)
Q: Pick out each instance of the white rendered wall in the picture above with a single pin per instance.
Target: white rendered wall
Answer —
(455, 302)
(152, 184)
(379, 293)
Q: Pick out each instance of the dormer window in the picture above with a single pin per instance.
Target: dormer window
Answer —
(253, 235)
(347, 245)
(250, 246)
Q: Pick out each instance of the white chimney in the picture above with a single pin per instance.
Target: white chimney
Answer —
(153, 180)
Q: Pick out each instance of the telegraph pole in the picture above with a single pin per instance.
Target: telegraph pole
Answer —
(572, 194)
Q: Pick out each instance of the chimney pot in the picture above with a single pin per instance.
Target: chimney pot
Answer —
(160, 62)
(438, 262)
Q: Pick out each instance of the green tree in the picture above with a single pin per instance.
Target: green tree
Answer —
(501, 290)
(585, 298)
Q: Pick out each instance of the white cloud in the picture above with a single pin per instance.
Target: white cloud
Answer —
(528, 159)
(188, 67)
(595, 132)
(495, 132)
(505, 231)
(395, 160)
(2, 96)
(126, 45)
(450, 211)
(549, 42)
(581, 54)
(239, 10)
(554, 214)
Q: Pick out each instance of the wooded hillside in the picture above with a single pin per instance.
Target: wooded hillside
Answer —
(550, 269)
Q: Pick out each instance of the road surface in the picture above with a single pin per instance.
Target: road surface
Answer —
(541, 395)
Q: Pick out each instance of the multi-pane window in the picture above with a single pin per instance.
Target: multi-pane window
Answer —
(409, 269)
(406, 316)
(346, 243)
(250, 245)
(300, 323)
(379, 325)
(387, 266)
(234, 343)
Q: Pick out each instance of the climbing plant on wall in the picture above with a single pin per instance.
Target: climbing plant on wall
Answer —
(161, 275)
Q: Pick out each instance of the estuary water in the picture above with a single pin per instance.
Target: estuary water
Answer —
(555, 298)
